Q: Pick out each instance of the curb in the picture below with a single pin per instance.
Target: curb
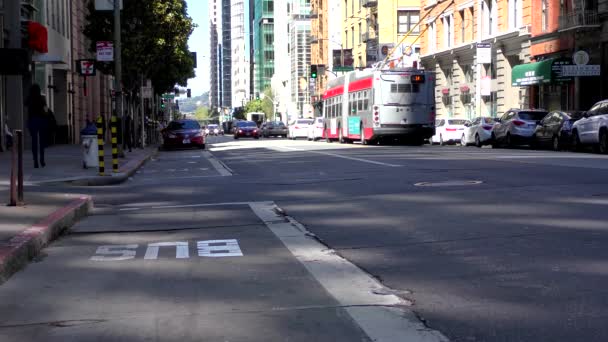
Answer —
(124, 173)
(16, 253)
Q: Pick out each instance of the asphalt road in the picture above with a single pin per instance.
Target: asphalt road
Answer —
(486, 245)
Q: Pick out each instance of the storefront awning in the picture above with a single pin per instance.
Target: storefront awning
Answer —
(532, 73)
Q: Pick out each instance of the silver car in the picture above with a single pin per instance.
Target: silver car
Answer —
(516, 127)
(478, 132)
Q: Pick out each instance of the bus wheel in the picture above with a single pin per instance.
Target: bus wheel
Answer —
(340, 137)
(327, 139)
(363, 141)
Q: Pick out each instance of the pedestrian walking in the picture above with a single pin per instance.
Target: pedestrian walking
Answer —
(37, 123)
(128, 136)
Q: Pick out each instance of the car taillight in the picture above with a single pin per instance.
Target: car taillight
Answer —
(487, 128)
(296, 127)
(451, 129)
(240, 131)
(518, 123)
(255, 131)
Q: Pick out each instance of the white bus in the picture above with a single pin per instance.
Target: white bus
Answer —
(256, 117)
(375, 105)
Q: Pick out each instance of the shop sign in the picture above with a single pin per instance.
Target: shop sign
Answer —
(580, 58)
(105, 51)
(581, 70)
(557, 70)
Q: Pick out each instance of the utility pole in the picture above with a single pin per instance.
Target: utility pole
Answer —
(118, 73)
(14, 83)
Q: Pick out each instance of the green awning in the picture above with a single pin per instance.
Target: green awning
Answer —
(532, 73)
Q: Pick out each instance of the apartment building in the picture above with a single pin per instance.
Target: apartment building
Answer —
(263, 34)
(214, 53)
(474, 46)
(240, 52)
(569, 51)
(281, 79)
(377, 31)
(299, 51)
(226, 56)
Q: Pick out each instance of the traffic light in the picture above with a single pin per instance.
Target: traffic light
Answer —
(189, 93)
(313, 71)
(257, 96)
(162, 103)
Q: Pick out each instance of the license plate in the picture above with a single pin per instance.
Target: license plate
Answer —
(248, 133)
(186, 141)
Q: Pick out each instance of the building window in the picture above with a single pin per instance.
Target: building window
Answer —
(352, 37)
(515, 13)
(360, 33)
(432, 37)
(345, 9)
(462, 26)
(545, 15)
(448, 30)
(408, 20)
(489, 17)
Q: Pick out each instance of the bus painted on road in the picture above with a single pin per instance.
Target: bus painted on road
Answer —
(375, 105)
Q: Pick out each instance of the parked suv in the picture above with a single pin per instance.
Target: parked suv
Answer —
(516, 127)
(592, 128)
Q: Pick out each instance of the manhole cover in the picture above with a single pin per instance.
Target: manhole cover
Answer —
(450, 183)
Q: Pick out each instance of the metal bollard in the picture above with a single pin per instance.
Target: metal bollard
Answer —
(114, 145)
(100, 145)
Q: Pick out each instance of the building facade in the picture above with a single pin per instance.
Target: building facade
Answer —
(226, 57)
(240, 52)
(214, 55)
(281, 79)
(299, 48)
(263, 44)
(474, 47)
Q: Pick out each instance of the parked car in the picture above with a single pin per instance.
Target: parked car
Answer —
(183, 133)
(478, 131)
(246, 129)
(517, 127)
(215, 129)
(592, 128)
(448, 131)
(275, 129)
(315, 131)
(555, 130)
(299, 128)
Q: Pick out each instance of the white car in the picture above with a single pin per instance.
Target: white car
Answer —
(315, 131)
(299, 128)
(448, 131)
(592, 128)
(478, 132)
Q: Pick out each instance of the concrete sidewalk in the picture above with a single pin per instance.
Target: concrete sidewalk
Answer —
(64, 165)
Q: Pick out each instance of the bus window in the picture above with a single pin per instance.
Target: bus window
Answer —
(360, 100)
(366, 100)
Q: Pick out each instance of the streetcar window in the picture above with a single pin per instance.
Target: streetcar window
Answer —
(366, 100)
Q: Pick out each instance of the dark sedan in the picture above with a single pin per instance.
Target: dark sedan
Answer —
(183, 133)
(246, 129)
(274, 129)
(554, 130)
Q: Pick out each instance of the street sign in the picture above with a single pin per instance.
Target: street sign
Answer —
(86, 67)
(484, 53)
(168, 96)
(344, 68)
(105, 51)
(581, 70)
(146, 92)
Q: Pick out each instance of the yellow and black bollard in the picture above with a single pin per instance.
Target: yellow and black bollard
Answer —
(114, 145)
(100, 144)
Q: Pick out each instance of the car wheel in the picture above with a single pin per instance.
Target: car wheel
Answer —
(508, 140)
(477, 140)
(256, 138)
(463, 141)
(236, 137)
(494, 141)
(556, 145)
(603, 147)
(441, 142)
(202, 146)
(534, 143)
(576, 142)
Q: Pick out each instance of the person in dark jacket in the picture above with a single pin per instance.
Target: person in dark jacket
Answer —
(37, 123)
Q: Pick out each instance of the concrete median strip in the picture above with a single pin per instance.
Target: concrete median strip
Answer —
(16, 252)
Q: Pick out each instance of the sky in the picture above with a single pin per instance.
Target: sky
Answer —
(199, 42)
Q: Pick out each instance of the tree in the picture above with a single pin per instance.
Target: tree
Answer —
(262, 105)
(201, 113)
(154, 42)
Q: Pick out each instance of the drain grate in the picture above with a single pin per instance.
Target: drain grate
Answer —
(450, 183)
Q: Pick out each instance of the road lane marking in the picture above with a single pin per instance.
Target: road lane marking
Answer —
(206, 249)
(181, 250)
(184, 206)
(343, 157)
(221, 168)
(355, 290)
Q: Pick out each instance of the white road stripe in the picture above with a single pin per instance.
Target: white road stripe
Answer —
(184, 206)
(343, 157)
(222, 169)
(375, 314)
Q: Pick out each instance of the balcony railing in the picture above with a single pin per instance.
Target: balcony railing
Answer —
(582, 19)
(370, 3)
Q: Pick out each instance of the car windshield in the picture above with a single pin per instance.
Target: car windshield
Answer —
(212, 126)
(490, 121)
(457, 122)
(280, 124)
(246, 124)
(532, 116)
(176, 125)
(305, 122)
